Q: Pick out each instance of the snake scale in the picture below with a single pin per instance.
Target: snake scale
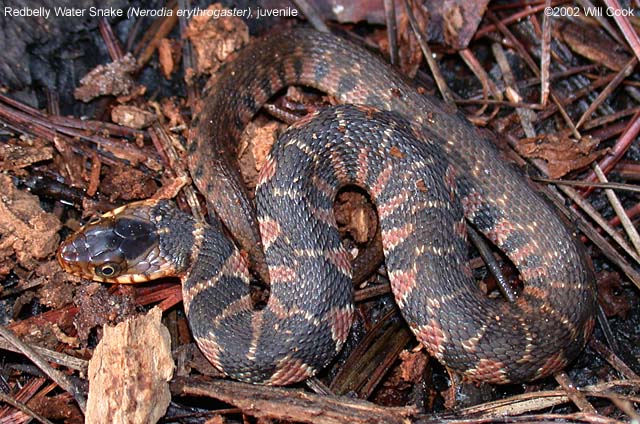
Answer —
(425, 167)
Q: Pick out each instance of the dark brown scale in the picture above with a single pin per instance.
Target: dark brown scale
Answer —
(556, 309)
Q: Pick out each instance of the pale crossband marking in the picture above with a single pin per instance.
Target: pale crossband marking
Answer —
(403, 283)
(395, 236)
(340, 258)
(398, 201)
(234, 266)
(291, 369)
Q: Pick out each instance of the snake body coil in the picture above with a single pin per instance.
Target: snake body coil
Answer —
(423, 165)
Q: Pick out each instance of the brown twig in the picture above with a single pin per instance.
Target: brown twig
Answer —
(533, 106)
(619, 149)
(110, 40)
(579, 183)
(578, 398)
(612, 359)
(392, 30)
(513, 18)
(632, 233)
(428, 55)
(29, 121)
(534, 68)
(629, 33)
(23, 408)
(632, 212)
(368, 293)
(526, 115)
(370, 361)
(607, 119)
(597, 217)
(545, 56)
(290, 404)
(46, 368)
(506, 410)
(159, 30)
(309, 11)
(606, 92)
(488, 85)
(53, 356)
(163, 143)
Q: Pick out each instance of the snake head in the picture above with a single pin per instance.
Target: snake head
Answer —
(121, 246)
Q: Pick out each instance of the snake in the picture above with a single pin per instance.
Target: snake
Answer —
(428, 171)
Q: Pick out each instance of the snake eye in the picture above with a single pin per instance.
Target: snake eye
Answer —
(108, 270)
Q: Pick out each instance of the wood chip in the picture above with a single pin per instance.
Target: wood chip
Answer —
(111, 79)
(269, 404)
(214, 39)
(132, 117)
(26, 231)
(259, 136)
(169, 54)
(129, 372)
(16, 154)
(127, 184)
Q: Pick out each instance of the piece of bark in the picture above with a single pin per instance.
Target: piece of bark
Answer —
(169, 54)
(125, 183)
(98, 306)
(170, 109)
(256, 144)
(16, 154)
(400, 386)
(111, 79)
(282, 404)
(132, 117)
(130, 371)
(215, 38)
(26, 231)
(355, 215)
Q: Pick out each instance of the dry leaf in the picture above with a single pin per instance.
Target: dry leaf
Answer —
(562, 153)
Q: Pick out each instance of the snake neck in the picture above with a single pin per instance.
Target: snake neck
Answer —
(179, 233)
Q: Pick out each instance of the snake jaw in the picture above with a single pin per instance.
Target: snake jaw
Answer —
(74, 256)
(122, 246)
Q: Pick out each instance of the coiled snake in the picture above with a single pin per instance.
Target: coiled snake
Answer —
(424, 166)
